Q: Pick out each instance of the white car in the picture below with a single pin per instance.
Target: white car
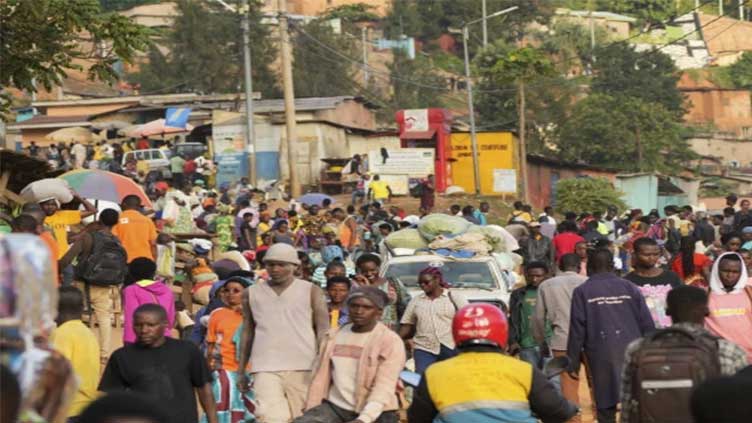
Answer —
(156, 159)
(478, 279)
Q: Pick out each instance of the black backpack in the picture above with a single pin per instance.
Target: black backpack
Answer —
(668, 366)
(106, 264)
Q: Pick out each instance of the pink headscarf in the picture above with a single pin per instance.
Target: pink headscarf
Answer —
(435, 272)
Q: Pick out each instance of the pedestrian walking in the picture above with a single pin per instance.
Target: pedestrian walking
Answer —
(607, 314)
(356, 374)
(75, 342)
(537, 247)
(567, 238)
(284, 321)
(378, 190)
(337, 290)
(136, 232)
(428, 319)
(522, 304)
(553, 305)
(685, 351)
(170, 371)
(427, 193)
(222, 341)
(101, 270)
(730, 302)
(145, 290)
(368, 266)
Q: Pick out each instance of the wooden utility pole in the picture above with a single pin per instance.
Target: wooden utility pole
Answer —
(288, 143)
(523, 146)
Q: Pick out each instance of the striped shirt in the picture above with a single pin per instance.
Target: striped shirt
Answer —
(432, 319)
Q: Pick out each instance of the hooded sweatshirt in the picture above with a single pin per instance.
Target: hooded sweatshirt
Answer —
(731, 312)
(144, 292)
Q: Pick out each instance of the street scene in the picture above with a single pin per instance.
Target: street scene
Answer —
(375, 211)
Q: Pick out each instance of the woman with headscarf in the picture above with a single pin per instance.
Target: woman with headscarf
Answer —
(428, 319)
(730, 302)
(222, 354)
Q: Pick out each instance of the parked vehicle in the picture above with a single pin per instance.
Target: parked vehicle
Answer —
(156, 159)
(189, 150)
(478, 279)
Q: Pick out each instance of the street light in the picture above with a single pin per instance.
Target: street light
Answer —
(469, 84)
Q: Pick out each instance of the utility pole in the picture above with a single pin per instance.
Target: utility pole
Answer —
(485, 24)
(523, 145)
(249, 133)
(720, 7)
(364, 41)
(741, 9)
(471, 111)
(469, 87)
(290, 140)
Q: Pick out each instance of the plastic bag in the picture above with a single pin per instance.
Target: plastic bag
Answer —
(436, 224)
(406, 238)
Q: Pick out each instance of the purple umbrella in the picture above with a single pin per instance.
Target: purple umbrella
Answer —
(314, 199)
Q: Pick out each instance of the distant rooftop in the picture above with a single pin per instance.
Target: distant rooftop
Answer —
(597, 15)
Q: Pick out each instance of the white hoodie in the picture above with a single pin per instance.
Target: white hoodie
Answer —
(715, 281)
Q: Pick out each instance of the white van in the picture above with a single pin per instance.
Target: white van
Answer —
(157, 159)
(478, 278)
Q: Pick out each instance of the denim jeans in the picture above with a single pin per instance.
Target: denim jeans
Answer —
(533, 356)
(67, 276)
(423, 359)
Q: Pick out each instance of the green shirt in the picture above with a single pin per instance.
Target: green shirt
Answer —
(526, 323)
(176, 164)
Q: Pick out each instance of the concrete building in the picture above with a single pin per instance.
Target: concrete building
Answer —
(617, 26)
(726, 38)
(317, 7)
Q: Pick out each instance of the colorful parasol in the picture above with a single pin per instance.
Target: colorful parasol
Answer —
(157, 127)
(103, 185)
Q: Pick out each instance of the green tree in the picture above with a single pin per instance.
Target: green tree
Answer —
(317, 72)
(625, 133)
(503, 71)
(413, 83)
(741, 71)
(205, 53)
(42, 39)
(648, 12)
(586, 195)
(426, 20)
(650, 76)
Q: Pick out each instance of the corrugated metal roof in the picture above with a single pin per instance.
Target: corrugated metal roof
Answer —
(301, 104)
(44, 121)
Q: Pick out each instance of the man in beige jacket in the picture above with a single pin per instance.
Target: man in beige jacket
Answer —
(357, 371)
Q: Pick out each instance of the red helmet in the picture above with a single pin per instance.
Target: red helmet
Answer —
(480, 324)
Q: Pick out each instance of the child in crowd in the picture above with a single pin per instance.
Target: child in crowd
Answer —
(337, 290)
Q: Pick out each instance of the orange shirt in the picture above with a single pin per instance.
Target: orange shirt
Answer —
(137, 233)
(223, 323)
(52, 244)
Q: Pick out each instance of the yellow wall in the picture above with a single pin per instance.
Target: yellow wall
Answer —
(496, 150)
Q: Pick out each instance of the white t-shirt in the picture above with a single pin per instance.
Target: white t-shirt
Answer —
(348, 351)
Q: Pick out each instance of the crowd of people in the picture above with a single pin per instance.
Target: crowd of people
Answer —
(291, 318)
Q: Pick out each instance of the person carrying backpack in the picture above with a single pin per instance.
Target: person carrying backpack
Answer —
(101, 268)
(663, 369)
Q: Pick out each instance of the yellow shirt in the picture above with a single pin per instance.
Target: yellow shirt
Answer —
(380, 189)
(60, 223)
(78, 344)
(261, 229)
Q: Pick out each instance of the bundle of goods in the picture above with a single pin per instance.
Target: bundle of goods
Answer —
(453, 233)
(47, 189)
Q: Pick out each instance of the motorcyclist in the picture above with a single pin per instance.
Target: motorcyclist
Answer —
(483, 384)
